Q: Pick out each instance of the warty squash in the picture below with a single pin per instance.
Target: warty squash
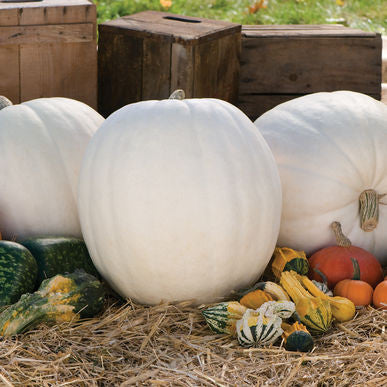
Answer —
(179, 199)
(41, 147)
(330, 148)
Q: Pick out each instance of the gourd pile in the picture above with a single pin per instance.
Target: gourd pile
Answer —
(187, 199)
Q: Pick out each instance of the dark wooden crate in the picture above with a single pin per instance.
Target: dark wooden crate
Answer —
(48, 48)
(279, 63)
(150, 54)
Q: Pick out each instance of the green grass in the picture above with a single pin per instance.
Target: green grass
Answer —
(368, 15)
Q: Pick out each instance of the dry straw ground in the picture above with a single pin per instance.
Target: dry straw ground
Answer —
(170, 345)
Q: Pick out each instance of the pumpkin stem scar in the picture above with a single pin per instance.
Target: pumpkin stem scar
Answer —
(4, 102)
(177, 94)
(341, 239)
(369, 209)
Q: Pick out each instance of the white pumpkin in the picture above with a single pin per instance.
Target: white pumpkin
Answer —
(41, 147)
(179, 199)
(330, 148)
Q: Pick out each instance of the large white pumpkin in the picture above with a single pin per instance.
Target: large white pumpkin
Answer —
(179, 200)
(329, 148)
(41, 147)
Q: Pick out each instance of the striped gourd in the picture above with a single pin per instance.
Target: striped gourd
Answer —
(222, 317)
(256, 329)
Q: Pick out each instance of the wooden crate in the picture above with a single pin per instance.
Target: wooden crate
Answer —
(48, 48)
(150, 54)
(279, 63)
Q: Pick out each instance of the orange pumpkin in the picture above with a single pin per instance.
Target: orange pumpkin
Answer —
(379, 298)
(335, 263)
(359, 292)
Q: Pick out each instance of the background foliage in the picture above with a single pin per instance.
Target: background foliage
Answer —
(368, 15)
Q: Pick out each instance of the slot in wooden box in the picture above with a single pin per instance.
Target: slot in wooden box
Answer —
(48, 49)
(150, 54)
(279, 63)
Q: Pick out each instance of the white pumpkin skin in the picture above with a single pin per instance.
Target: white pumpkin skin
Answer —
(41, 147)
(329, 148)
(179, 200)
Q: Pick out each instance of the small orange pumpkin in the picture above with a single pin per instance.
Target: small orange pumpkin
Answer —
(379, 298)
(359, 292)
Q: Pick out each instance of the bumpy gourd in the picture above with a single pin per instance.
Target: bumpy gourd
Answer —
(330, 149)
(286, 259)
(342, 308)
(41, 147)
(59, 299)
(297, 337)
(179, 199)
(314, 312)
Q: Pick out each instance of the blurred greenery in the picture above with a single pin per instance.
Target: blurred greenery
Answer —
(368, 15)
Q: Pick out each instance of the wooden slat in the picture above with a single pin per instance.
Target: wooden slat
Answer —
(119, 70)
(255, 105)
(305, 65)
(290, 31)
(156, 68)
(59, 33)
(217, 68)
(9, 17)
(9, 73)
(182, 68)
(64, 70)
(49, 12)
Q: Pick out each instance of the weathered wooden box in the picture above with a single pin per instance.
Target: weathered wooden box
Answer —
(150, 54)
(279, 63)
(48, 48)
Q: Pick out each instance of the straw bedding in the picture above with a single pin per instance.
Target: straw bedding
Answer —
(130, 344)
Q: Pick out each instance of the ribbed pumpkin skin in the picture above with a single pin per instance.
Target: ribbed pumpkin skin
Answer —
(329, 147)
(179, 200)
(41, 147)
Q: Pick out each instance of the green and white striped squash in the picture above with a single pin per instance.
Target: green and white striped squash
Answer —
(255, 329)
(222, 317)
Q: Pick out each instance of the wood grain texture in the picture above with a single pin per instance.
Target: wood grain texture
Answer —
(119, 70)
(156, 68)
(153, 53)
(182, 69)
(217, 68)
(59, 33)
(54, 42)
(279, 63)
(9, 73)
(49, 70)
(302, 65)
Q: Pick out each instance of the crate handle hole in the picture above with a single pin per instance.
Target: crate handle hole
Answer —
(182, 19)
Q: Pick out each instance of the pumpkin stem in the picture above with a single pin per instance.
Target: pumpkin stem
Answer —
(356, 269)
(369, 210)
(4, 102)
(322, 275)
(341, 239)
(177, 94)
